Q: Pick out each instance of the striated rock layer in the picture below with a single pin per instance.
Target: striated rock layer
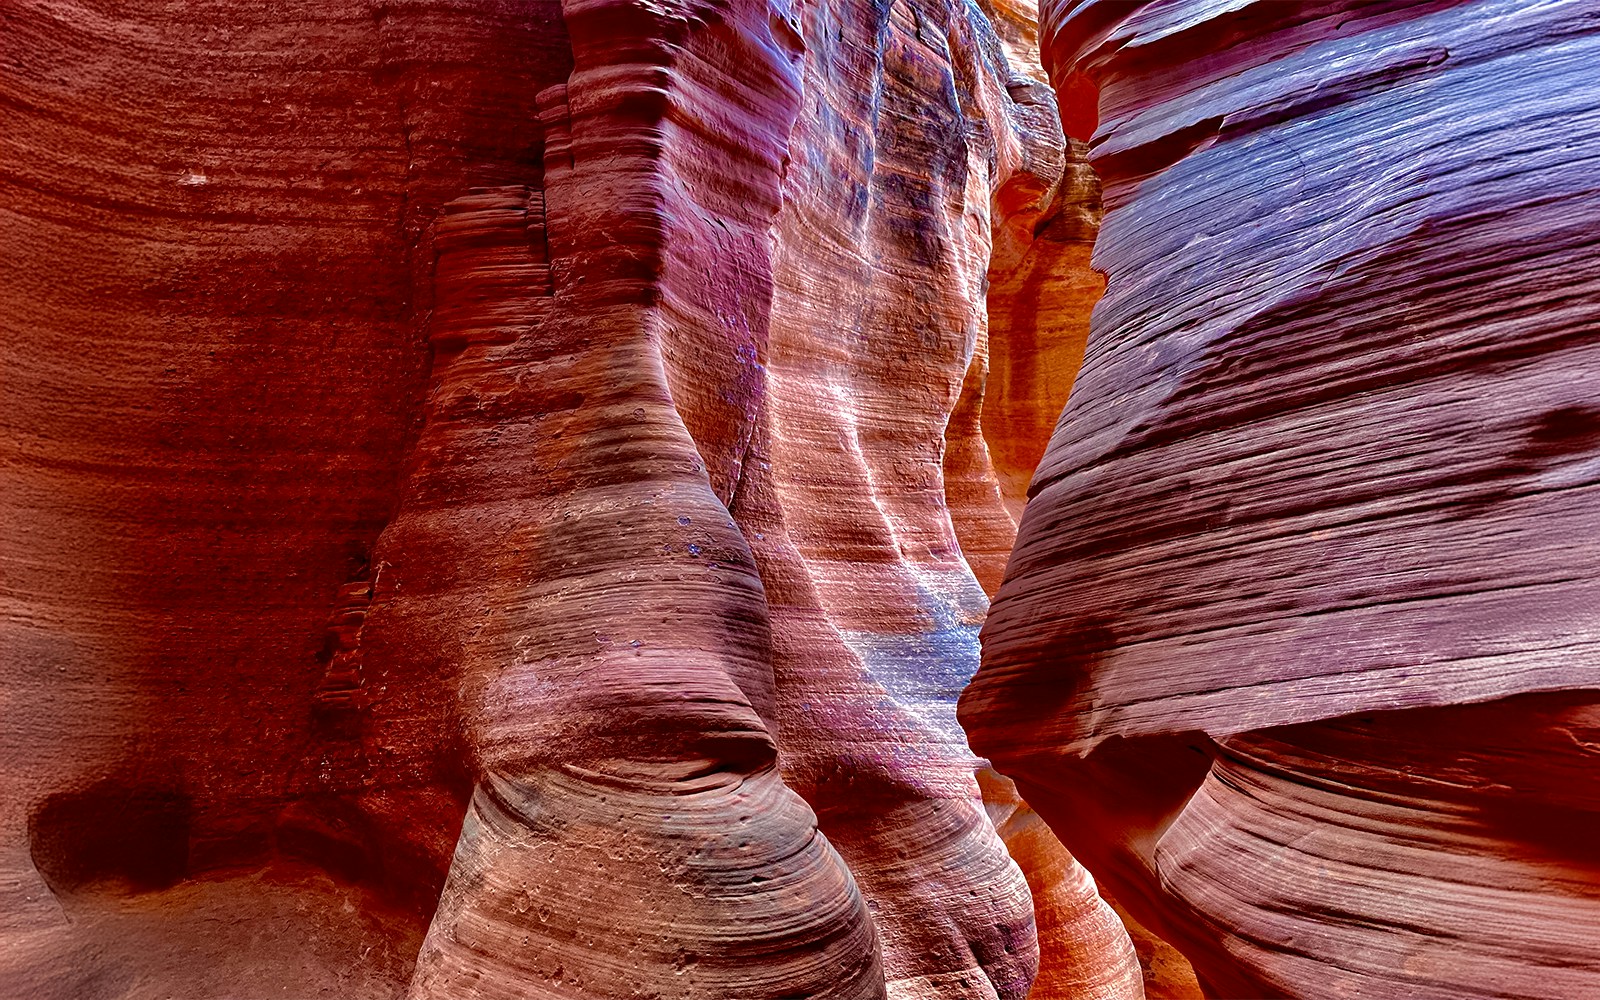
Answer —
(1295, 647)
(565, 416)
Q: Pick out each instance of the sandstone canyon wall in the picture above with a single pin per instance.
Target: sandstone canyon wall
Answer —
(483, 512)
(1296, 648)
(498, 499)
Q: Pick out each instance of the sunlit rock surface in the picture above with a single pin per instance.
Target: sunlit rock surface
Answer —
(1296, 648)
(486, 488)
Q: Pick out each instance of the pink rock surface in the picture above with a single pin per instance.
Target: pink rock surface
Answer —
(532, 412)
(1322, 487)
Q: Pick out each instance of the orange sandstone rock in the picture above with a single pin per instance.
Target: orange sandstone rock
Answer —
(481, 487)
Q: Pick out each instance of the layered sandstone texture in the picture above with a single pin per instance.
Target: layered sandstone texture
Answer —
(1296, 650)
(486, 488)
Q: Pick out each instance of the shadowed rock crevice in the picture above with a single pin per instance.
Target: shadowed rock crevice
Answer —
(111, 833)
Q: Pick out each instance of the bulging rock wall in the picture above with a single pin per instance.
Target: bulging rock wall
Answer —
(1294, 647)
(565, 416)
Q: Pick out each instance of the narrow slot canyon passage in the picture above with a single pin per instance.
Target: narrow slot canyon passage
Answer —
(763, 499)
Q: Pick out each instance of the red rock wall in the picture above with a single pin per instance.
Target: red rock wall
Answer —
(1308, 554)
(534, 412)
(213, 299)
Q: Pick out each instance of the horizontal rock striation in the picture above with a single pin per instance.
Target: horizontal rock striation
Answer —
(496, 495)
(1306, 557)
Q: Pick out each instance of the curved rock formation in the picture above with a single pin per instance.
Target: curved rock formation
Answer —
(562, 415)
(1312, 533)
(1041, 292)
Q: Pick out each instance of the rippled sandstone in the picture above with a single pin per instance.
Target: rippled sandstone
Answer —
(1295, 647)
(564, 416)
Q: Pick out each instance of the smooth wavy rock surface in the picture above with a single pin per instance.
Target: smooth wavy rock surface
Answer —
(1313, 532)
(565, 416)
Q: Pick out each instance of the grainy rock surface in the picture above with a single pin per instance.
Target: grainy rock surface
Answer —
(566, 416)
(1296, 647)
